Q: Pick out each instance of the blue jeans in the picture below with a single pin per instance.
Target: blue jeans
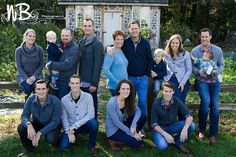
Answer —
(128, 140)
(209, 95)
(176, 128)
(157, 86)
(28, 89)
(95, 100)
(63, 89)
(181, 95)
(91, 127)
(141, 87)
(112, 91)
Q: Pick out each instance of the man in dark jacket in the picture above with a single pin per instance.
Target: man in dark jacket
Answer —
(67, 65)
(91, 60)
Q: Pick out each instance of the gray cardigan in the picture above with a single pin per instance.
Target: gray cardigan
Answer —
(74, 115)
(114, 118)
(91, 60)
(181, 67)
(28, 62)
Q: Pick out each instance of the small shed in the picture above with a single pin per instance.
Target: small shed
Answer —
(112, 15)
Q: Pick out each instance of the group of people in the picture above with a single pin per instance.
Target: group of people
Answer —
(75, 71)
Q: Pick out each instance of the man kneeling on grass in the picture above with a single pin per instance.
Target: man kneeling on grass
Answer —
(45, 110)
(164, 120)
(78, 116)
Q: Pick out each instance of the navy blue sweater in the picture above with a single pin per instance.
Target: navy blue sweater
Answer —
(53, 52)
(160, 69)
(140, 58)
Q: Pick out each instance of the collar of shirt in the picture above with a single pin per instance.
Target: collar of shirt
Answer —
(203, 50)
(36, 100)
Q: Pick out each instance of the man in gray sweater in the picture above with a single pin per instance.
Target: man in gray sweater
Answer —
(91, 61)
(67, 65)
(78, 116)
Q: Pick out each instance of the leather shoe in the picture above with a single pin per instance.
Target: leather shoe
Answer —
(183, 149)
(212, 140)
(201, 135)
(94, 151)
(114, 145)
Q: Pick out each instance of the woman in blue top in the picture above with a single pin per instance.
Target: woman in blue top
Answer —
(124, 119)
(179, 66)
(115, 66)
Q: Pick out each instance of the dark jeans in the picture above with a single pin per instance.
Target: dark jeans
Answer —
(112, 91)
(95, 100)
(128, 140)
(90, 127)
(52, 137)
(28, 89)
(63, 89)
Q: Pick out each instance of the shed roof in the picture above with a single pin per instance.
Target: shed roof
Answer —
(115, 2)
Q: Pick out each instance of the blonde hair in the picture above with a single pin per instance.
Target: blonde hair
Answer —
(168, 48)
(159, 52)
(27, 32)
(50, 33)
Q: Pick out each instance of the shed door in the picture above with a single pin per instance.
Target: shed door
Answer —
(112, 22)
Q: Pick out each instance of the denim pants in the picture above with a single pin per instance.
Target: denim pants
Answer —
(175, 128)
(63, 89)
(91, 127)
(141, 87)
(157, 86)
(128, 140)
(52, 137)
(28, 89)
(209, 95)
(181, 95)
(95, 100)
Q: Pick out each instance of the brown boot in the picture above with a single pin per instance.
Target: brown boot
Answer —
(114, 145)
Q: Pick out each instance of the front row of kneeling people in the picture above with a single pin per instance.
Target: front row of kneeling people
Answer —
(123, 123)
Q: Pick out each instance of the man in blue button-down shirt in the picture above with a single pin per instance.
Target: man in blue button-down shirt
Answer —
(46, 111)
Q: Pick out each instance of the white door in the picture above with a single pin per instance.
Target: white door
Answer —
(112, 22)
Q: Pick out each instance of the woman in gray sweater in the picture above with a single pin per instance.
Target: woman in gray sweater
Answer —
(124, 119)
(29, 62)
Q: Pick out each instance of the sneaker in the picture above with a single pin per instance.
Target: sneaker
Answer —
(142, 133)
(209, 70)
(24, 152)
(54, 86)
(201, 135)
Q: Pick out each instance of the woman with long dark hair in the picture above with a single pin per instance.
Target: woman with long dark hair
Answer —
(124, 119)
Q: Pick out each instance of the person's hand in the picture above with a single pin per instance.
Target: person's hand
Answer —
(181, 87)
(110, 51)
(46, 66)
(32, 78)
(35, 141)
(55, 72)
(153, 74)
(169, 138)
(133, 131)
(30, 132)
(71, 137)
(92, 89)
(202, 74)
(192, 56)
(137, 137)
(184, 135)
(29, 81)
